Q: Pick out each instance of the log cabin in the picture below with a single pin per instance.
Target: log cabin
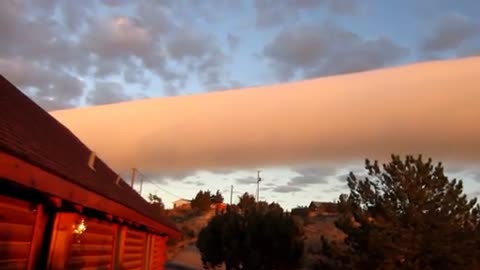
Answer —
(62, 207)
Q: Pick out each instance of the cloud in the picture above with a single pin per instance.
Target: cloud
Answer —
(115, 3)
(270, 13)
(450, 32)
(338, 189)
(246, 180)
(311, 174)
(344, 7)
(51, 89)
(472, 49)
(286, 189)
(469, 174)
(310, 50)
(233, 41)
(34, 55)
(196, 183)
(308, 121)
(118, 41)
(85, 44)
(106, 93)
(199, 52)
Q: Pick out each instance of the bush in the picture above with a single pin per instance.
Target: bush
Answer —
(252, 240)
(301, 211)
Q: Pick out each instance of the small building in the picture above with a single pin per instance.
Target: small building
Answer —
(322, 208)
(182, 204)
(219, 207)
(61, 207)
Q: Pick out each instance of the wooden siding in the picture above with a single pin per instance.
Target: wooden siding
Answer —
(134, 246)
(94, 248)
(33, 177)
(157, 252)
(21, 224)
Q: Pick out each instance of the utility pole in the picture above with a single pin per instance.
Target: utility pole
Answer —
(231, 194)
(134, 172)
(258, 184)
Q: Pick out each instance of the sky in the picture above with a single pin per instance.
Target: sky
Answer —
(68, 54)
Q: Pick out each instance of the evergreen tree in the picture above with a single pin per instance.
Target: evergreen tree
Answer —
(217, 197)
(202, 200)
(156, 201)
(405, 215)
(246, 201)
(251, 240)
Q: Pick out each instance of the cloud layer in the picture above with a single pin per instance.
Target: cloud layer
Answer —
(412, 109)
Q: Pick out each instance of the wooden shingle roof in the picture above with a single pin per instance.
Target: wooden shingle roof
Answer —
(31, 134)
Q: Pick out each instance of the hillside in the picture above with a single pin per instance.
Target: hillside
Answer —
(190, 222)
(315, 227)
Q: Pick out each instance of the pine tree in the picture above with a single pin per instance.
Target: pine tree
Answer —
(405, 215)
(217, 197)
(156, 202)
(246, 201)
(202, 200)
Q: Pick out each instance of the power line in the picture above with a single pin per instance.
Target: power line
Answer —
(158, 186)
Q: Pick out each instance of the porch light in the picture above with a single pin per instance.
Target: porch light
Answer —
(80, 227)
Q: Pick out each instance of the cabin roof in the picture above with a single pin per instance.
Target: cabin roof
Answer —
(30, 133)
(182, 200)
(320, 204)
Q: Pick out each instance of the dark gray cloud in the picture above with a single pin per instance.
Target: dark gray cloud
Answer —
(342, 177)
(358, 171)
(246, 180)
(134, 73)
(165, 177)
(232, 40)
(270, 184)
(81, 43)
(451, 32)
(278, 12)
(52, 90)
(338, 189)
(31, 51)
(310, 175)
(195, 183)
(472, 49)
(307, 51)
(344, 7)
(201, 53)
(115, 3)
(286, 189)
(107, 92)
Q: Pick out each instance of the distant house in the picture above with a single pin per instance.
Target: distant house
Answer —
(322, 208)
(61, 207)
(182, 204)
(219, 207)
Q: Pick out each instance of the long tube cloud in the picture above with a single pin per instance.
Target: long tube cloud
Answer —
(431, 108)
